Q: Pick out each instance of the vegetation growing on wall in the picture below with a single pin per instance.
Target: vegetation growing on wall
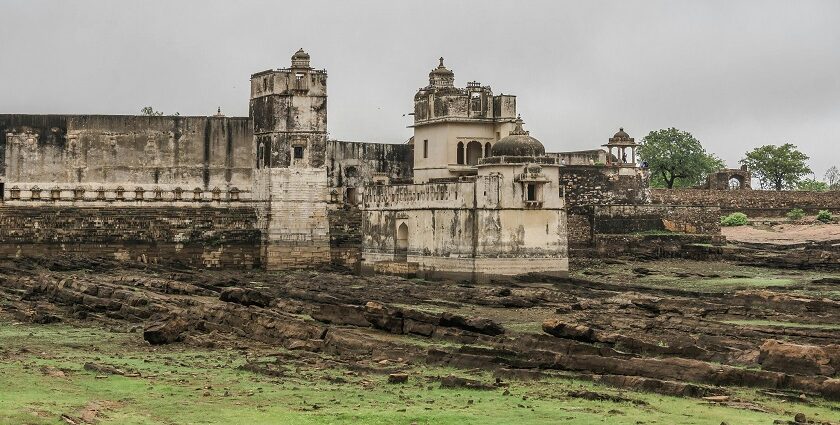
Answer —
(796, 214)
(734, 219)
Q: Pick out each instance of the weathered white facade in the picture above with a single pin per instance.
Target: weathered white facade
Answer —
(485, 200)
(455, 127)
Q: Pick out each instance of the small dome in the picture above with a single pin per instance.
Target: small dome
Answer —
(518, 143)
(441, 70)
(621, 134)
(300, 54)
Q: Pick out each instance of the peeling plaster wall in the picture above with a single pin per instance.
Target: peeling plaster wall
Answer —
(471, 228)
(111, 150)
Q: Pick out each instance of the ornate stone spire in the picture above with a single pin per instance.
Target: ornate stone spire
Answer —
(441, 77)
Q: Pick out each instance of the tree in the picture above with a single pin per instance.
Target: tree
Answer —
(676, 158)
(832, 177)
(812, 185)
(149, 111)
(777, 167)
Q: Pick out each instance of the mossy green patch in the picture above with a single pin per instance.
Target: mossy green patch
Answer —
(42, 376)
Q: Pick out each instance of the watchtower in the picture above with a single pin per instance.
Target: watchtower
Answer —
(288, 107)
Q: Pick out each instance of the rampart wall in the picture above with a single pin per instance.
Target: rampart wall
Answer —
(754, 203)
(190, 233)
(113, 150)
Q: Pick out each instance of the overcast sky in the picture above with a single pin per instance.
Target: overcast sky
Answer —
(736, 74)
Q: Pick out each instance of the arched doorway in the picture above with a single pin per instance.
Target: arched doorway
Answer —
(459, 154)
(473, 152)
(401, 247)
(735, 182)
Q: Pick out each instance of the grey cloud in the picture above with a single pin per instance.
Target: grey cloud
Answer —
(737, 74)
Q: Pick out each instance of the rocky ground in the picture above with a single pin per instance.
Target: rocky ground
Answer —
(704, 331)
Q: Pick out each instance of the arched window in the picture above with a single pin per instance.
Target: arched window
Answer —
(735, 183)
(460, 154)
(473, 152)
(401, 245)
(487, 150)
(261, 155)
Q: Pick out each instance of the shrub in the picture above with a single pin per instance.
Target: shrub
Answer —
(734, 219)
(795, 214)
(824, 216)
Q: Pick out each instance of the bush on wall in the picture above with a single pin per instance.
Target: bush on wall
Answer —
(734, 219)
(795, 214)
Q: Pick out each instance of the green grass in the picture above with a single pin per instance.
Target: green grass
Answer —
(829, 326)
(525, 327)
(183, 385)
(749, 282)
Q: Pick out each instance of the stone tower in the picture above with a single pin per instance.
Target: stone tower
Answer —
(289, 110)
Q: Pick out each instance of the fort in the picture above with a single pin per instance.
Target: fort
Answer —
(471, 194)
(214, 269)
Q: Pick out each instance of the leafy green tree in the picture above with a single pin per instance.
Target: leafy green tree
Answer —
(149, 111)
(676, 159)
(812, 185)
(832, 177)
(777, 167)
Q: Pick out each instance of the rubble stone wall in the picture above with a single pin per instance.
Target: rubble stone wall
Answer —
(754, 203)
(207, 236)
(345, 236)
(597, 185)
(587, 225)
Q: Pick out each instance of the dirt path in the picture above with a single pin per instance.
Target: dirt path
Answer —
(783, 234)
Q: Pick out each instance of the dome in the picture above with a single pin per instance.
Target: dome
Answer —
(621, 134)
(300, 54)
(518, 143)
(442, 70)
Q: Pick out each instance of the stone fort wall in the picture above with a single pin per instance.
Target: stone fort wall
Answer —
(189, 233)
(113, 150)
(138, 170)
(754, 203)
(604, 202)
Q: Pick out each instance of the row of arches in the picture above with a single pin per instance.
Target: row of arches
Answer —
(472, 154)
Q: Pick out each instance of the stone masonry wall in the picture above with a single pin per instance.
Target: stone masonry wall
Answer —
(169, 151)
(199, 236)
(587, 225)
(754, 203)
(294, 216)
(345, 236)
(622, 219)
(594, 185)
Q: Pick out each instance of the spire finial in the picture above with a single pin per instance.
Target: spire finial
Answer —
(441, 62)
(518, 128)
(219, 110)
